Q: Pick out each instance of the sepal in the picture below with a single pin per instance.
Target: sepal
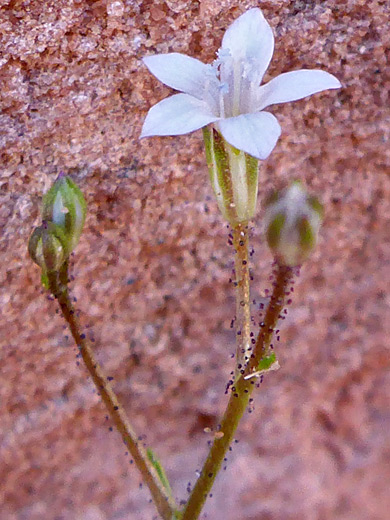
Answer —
(47, 246)
(65, 206)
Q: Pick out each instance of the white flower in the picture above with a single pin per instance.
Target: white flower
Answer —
(228, 92)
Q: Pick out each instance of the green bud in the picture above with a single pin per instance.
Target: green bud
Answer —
(46, 247)
(293, 219)
(65, 206)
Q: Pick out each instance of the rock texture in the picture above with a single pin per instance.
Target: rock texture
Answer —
(152, 268)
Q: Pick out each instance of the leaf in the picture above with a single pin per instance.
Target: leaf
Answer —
(160, 470)
(266, 362)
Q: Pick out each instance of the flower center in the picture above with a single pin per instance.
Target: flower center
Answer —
(239, 79)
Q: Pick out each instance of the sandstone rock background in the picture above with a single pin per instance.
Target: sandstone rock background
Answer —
(153, 265)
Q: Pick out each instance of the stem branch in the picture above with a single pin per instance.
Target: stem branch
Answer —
(163, 501)
(238, 401)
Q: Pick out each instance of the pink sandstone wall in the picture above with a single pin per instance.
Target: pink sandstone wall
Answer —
(153, 267)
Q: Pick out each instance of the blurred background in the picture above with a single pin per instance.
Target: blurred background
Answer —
(152, 268)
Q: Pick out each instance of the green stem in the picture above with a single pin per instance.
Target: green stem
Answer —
(238, 401)
(243, 308)
(162, 499)
(275, 306)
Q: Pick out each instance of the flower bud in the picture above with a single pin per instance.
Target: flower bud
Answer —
(293, 219)
(65, 206)
(46, 247)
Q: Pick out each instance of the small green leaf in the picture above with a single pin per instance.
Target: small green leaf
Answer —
(160, 470)
(266, 362)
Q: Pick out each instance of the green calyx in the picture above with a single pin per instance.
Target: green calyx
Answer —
(65, 206)
(306, 234)
(63, 216)
(234, 177)
(274, 230)
(316, 205)
(47, 247)
(293, 220)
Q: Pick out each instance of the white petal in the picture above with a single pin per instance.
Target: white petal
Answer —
(176, 115)
(250, 37)
(295, 85)
(255, 134)
(181, 72)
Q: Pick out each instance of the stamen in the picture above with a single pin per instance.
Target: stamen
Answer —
(211, 88)
(236, 87)
(224, 64)
(223, 89)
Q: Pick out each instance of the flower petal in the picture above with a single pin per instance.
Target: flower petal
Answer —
(181, 72)
(176, 115)
(250, 37)
(255, 134)
(295, 85)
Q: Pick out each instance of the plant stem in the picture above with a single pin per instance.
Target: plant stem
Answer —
(161, 497)
(284, 276)
(243, 308)
(239, 397)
